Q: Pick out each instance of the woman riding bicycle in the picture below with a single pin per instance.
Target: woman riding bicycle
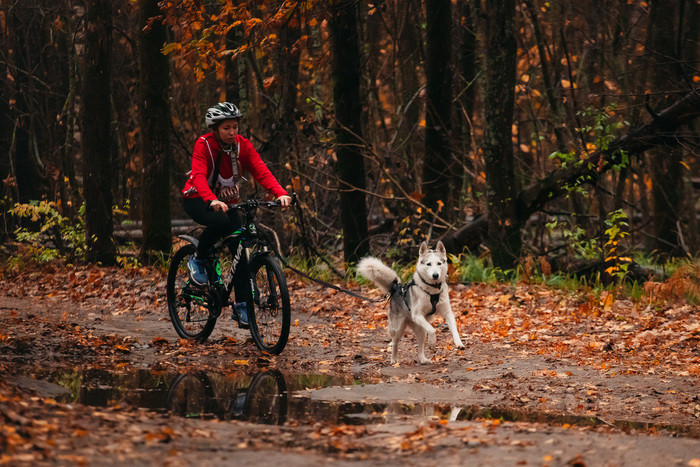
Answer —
(218, 160)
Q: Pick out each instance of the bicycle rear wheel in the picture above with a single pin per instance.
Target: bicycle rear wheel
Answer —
(269, 311)
(192, 396)
(193, 309)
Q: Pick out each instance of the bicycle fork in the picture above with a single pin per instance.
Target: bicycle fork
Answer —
(241, 257)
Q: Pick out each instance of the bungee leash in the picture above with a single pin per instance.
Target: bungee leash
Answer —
(327, 284)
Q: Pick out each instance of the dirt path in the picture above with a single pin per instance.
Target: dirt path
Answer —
(502, 401)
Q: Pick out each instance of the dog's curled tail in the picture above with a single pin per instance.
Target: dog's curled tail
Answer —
(377, 272)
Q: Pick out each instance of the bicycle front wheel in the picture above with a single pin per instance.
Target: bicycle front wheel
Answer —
(193, 309)
(266, 401)
(269, 311)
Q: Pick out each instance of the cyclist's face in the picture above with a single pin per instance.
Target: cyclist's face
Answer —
(227, 131)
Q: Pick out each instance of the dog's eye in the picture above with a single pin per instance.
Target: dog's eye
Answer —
(428, 264)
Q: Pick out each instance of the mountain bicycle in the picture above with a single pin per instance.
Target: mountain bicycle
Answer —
(194, 309)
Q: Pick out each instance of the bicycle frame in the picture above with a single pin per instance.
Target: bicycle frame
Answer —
(244, 240)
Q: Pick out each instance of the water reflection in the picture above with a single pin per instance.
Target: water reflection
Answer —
(105, 388)
(270, 397)
(263, 401)
(260, 398)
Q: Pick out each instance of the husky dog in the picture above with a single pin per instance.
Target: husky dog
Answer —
(415, 303)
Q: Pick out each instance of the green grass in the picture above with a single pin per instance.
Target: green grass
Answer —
(471, 268)
(316, 267)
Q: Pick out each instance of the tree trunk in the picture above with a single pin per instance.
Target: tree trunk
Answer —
(155, 142)
(666, 176)
(463, 107)
(233, 40)
(373, 76)
(291, 33)
(438, 166)
(281, 118)
(23, 18)
(346, 99)
(504, 224)
(316, 50)
(71, 148)
(6, 130)
(409, 59)
(691, 54)
(96, 132)
(552, 98)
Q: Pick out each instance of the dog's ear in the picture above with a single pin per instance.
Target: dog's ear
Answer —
(423, 249)
(440, 248)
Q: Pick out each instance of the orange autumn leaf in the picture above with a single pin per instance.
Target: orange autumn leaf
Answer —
(159, 341)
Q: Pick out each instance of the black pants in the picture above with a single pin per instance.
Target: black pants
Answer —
(217, 225)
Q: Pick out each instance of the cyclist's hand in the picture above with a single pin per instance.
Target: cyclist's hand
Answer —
(285, 200)
(217, 205)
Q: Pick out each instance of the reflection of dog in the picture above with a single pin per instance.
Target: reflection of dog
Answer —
(416, 303)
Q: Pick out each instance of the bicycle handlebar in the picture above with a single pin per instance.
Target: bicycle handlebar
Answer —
(254, 203)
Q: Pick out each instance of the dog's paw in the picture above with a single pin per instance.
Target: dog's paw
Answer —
(460, 347)
(423, 360)
(431, 340)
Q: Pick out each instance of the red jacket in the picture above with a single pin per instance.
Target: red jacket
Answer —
(201, 184)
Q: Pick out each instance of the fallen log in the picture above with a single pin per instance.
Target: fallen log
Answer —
(660, 130)
(469, 236)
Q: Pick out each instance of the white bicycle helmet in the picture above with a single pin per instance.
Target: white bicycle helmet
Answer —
(222, 111)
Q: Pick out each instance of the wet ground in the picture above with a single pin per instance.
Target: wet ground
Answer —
(269, 396)
(125, 387)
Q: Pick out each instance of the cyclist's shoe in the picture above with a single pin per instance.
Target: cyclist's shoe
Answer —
(240, 314)
(198, 272)
(238, 403)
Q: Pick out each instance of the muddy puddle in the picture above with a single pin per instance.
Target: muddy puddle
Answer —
(271, 397)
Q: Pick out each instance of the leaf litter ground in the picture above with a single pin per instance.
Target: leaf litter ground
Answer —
(548, 377)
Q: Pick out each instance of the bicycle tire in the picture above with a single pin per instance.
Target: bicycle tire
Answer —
(266, 401)
(269, 310)
(193, 310)
(192, 396)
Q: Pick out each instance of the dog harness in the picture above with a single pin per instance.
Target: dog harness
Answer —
(402, 289)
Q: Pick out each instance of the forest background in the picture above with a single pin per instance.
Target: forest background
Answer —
(564, 131)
